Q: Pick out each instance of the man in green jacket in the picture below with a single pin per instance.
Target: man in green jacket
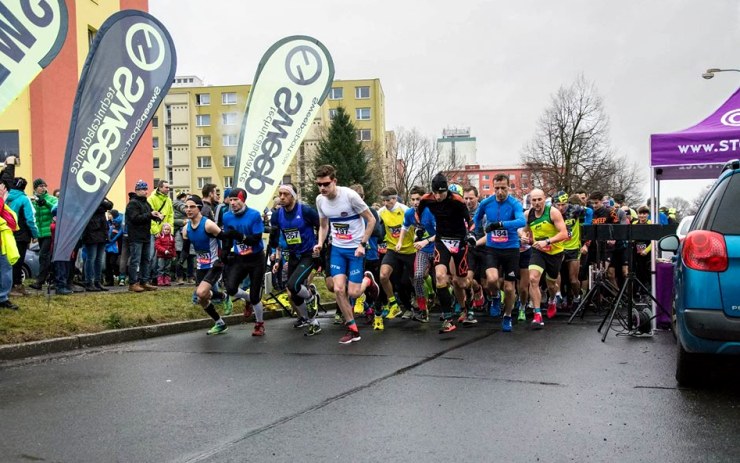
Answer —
(43, 202)
(160, 201)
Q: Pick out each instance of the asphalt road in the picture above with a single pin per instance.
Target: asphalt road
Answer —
(405, 394)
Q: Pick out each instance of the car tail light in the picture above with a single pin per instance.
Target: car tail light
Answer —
(705, 250)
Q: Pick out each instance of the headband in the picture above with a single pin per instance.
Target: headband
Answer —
(289, 189)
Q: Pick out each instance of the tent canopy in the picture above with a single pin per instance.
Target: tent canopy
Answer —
(699, 151)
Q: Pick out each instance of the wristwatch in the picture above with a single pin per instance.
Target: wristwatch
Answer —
(363, 243)
(548, 241)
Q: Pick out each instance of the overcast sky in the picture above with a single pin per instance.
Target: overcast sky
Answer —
(489, 65)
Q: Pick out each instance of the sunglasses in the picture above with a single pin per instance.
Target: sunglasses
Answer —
(323, 184)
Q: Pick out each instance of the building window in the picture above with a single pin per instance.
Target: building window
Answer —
(513, 185)
(155, 122)
(525, 186)
(332, 114)
(202, 120)
(156, 163)
(204, 162)
(202, 99)
(362, 93)
(204, 141)
(228, 182)
(363, 135)
(512, 177)
(155, 142)
(229, 140)
(524, 176)
(362, 114)
(336, 93)
(486, 187)
(228, 98)
(202, 182)
(228, 118)
(486, 177)
(91, 33)
(9, 144)
(229, 161)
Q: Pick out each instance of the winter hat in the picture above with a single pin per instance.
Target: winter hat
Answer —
(439, 183)
(141, 185)
(240, 193)
(196, 199)
(38, 182)
(227, 192)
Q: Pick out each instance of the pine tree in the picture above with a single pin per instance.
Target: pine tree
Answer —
(340, 148)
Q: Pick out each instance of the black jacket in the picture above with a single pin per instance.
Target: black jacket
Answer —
(138, 220)
(96, 231)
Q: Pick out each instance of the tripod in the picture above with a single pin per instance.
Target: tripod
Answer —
(628, 289)
(602, 288)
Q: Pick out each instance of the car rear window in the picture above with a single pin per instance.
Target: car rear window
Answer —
(726, 219)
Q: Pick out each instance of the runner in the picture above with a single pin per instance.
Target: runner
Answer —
(423, 229)
(548, 231)
(399, 257)
(203, 234)
(476, 261)
(504, 216)
(573, 216)
(450, 245)
(246, 255)
(370, 301)
(297, 223)
(343, 210)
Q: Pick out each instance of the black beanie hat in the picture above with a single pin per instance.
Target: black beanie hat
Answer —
(439, 183)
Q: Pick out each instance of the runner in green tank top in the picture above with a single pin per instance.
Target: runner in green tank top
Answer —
(549, 232)
(573, 214)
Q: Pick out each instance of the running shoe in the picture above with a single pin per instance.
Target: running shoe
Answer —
(506, 324)
(313, 329)
(576, 301)
(537, 322)
(385, 311)
(407, 314)
(228, 306)
(494, 309)
(463, 316)
(421, 316)
(338, 320)
(522, 317)
(218, 328)
(559, 300)
(378, 324)
(393, 311)
(372, 290)
(360, 304)
(301, 323)
(470, 319)
(552, 308)
(259, 329)
(350, 337)
(447, 327)
(369, 315)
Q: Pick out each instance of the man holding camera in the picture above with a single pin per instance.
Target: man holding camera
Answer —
(43, 202)
(139, 217)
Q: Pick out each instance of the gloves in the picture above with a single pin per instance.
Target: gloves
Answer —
(235, 235)
(494, 226)
(471, 239)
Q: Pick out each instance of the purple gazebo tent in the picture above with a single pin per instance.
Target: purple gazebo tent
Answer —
(698, 152)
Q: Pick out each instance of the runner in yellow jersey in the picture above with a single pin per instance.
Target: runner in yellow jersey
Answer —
(399, 258)
(548, 230)
(573, 216)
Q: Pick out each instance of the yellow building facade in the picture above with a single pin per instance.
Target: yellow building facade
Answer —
(196, 131)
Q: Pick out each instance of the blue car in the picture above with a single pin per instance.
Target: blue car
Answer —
(706, 279)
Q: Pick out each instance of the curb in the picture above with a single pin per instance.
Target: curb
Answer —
(81, 341)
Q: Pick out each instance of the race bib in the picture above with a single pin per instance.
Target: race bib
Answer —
(204, 259)
(292, 236)
(341, 231)
(382, 247)
(395, 232)
(498, 236)
(242, 249)
(452, 245)
(641, 247)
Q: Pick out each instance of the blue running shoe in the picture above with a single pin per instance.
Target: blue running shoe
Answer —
(506, 325)
(494, 310)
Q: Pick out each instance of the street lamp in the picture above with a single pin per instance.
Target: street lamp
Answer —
(710, 72)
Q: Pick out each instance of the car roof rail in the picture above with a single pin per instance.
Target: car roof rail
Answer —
(734, 165)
